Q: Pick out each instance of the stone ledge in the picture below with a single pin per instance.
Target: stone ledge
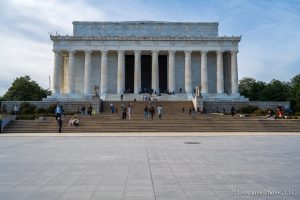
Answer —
(143, 38)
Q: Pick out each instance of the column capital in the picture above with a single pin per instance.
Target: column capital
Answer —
(155, 51)
(171, 51)
(57, 51)
(219, 51)
(71, 51)
(121, 51)
(104, 52)
(187, 51)
(234, 51)
(137, 52)
(88, 51)
(203, 51)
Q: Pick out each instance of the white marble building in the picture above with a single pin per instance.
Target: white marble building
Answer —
(164, 56)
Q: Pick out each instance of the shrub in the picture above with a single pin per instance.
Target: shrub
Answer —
(259, 112)
(41, 111)
(248, 109)
(51, 108)
(27, 108)
(25, 117)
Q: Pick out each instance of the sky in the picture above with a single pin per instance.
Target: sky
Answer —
(270, 30)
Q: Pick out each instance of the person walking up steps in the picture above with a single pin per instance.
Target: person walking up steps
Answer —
(160, 111)
(146, 112)
(152, 111)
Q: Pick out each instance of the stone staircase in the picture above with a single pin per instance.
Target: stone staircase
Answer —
(173, 121)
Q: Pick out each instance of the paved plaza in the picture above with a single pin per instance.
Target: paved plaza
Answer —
(149, 168)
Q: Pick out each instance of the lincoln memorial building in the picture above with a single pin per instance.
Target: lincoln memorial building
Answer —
(145, 56)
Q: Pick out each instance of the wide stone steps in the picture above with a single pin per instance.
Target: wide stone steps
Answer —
(173, 121)
(189, 124)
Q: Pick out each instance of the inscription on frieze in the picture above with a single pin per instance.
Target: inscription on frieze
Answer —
(145, 29)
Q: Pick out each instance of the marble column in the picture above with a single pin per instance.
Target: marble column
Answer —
(234, 73)
(155, 75)
(71, 76)
(103, 79)
(137, 72)
(188, 72)
(62, 73)
(121, 72)
(171, 77)
(220, 73)
(204, 74)
(87, 88)
(56, 83)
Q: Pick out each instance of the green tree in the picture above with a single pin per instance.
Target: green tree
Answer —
(251, 88)
(25, 89)
(276, 91)
(295, 93)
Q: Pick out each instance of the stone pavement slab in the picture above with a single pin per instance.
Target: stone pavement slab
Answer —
(149, 167)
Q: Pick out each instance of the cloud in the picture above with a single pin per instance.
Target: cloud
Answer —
(26, 48)
(270, 31)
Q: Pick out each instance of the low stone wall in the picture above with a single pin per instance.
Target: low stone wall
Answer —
(75, 106)
(68, 106)
(218, 106)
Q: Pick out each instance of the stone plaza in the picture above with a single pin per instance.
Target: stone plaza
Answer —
(162, 168)
(138, 57)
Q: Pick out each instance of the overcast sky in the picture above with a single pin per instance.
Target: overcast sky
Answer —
(270, 30)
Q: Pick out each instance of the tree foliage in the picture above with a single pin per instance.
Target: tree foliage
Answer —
(25, 89)
(273, 91)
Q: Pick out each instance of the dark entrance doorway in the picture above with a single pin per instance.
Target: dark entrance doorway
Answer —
(163, 73)
(146, 71)
(129, 73)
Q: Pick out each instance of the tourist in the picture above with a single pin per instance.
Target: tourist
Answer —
(0, 124)
(232, 111)
(16, 109)
(160, 111)
(83, 110)
(123, 110)
(90, 109)
(71, 122)
(198, 110)
(183, 110)
(146, 112)
(190, 111)
(57, 111)
(59, 121)
(121, 96)
(129, 111)
(152, 111)
(112, 108)
(180, 90)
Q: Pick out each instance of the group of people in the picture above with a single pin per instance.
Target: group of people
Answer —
(89, 111)
(127, 111)
(151, 111)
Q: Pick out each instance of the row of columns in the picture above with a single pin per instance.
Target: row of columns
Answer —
(58, 62)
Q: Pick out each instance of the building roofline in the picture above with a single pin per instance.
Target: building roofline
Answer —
(139, 22)
(145, 38)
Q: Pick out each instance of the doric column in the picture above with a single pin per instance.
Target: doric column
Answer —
(220, 73)
(171, 77)
(103, 87)
(204, 79)
(188, 72)
(87, 90)
(155, 75)
(62, 74)
(137, 72)
(234, 73)
(71, 77)
(121, 72)
(57, 72)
